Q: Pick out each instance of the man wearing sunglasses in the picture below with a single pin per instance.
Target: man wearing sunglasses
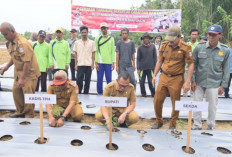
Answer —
(120, 88)
(66, 97)
(211, 74)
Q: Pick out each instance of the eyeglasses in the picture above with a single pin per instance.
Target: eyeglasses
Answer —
(122, 86)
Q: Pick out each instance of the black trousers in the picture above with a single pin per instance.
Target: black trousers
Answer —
(227, 89)
(72, 69)
(43, 79)
(84, 73)
(142, 79)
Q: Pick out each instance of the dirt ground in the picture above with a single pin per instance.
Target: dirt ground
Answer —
(90, 119)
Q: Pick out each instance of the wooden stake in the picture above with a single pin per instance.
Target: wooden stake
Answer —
(41, 122)
(110, 129)
(189, 131)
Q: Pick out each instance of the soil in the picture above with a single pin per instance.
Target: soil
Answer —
(114, 147)
(38, 141)
(25, 123)
(223, 150)
(86, 127)
(148, 147)
(90, 119)
(76, 143)
(6, 138)
(191, 150)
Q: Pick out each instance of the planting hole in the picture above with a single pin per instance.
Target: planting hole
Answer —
(141, 131)
(1, 120)
(76, 142)
(38, 141)
(6, 138)
(114, 147)
(148, 147)
(223, 150)
(25, 123)
(191, 150)
(86, 127)
(116, 130)
(206, 133)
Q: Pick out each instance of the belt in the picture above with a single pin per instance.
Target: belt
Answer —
(170, 75)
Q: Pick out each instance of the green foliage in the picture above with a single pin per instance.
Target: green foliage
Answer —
(57, 111)
(2, 37)
(181, 123)
(114, 121)
(199, 14)
(27, 35)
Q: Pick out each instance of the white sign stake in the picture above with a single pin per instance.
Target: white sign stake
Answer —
(190, 106)
(111, 102)
(40, 99)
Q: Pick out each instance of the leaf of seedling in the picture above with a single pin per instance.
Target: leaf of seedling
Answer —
(57, 111)
(114, 121)
(181, 123)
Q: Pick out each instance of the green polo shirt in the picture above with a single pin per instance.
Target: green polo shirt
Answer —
(211, 66)
(41, 53)
(193, 45)
(59, 54)
(107, 50)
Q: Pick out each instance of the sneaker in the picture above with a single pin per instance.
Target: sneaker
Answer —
(210, 127)
(195, 128)
(157, 126)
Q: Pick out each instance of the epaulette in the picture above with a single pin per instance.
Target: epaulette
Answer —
(164, 43)
(223, 45)
(72, 83)
(202, 42)
(185, 44)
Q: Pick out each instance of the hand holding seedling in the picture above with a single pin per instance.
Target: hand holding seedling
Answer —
(59, 122)
(121, 118)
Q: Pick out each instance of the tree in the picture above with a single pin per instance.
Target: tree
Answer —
(27, 35)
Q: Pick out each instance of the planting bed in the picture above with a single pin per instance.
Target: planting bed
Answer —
(70, 140)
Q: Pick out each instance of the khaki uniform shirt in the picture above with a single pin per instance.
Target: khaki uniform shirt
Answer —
(21, 51)
(63, 97)
(174, 59)
(111, 90)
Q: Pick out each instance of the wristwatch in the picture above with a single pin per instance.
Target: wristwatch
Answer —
(63, 118)
(126, 113)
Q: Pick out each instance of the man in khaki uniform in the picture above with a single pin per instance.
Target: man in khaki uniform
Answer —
(120, 88)
(173, 55)
(67, 97)
(26, 71)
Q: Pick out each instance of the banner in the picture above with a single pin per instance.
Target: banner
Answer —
(134, 20)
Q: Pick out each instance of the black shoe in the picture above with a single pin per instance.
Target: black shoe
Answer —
(16, 116)
(157, 126)
(123, 125)
(144, 95)
(172, 127)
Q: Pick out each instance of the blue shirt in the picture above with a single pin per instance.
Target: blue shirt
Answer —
(231, 60)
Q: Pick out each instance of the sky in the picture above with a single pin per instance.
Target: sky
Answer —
(34, 15)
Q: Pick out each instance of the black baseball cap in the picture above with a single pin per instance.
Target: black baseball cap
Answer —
(42, 33)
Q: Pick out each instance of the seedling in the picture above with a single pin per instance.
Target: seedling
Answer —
(114, 121)
(181, 124)
(57, 111)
